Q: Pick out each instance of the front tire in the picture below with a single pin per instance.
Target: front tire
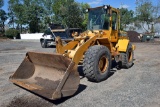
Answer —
(43, 44)
(127, 57)
(97, 63)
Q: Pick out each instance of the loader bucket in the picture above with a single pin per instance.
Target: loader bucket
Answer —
(49, 75)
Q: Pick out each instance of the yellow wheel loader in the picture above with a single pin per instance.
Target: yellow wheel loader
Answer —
(55, 75)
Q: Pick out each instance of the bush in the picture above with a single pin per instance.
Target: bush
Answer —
(1, 34)
(10, 33)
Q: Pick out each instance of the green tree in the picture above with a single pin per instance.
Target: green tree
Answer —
(26, 12)
(35, 13)
(145, 13)
(127, 17)
(1, 3)
(20, 15)
(11, 17)
(59, 11)
(73, 16)
(11, 12)
(3, 18)
(84, 6)
(48, 12)
(70, 13)
(16, 13)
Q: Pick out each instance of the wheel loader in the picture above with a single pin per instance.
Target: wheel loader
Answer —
(54, 76)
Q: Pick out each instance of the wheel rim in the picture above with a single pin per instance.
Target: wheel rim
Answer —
(130, 56)
(103, 64)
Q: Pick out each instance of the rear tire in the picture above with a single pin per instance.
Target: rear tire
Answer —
(43, 44)
(97, 63)
(127, 57)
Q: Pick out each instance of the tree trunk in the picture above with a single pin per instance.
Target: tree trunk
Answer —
(144, 27)
(21, 28)
(3, 27)
(13, 24)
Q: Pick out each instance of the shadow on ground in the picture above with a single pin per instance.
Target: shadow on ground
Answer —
(53, 46)
(80, 89)
(30, 101)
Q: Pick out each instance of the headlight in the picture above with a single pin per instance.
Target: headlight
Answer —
(105, 6)
(87, 10)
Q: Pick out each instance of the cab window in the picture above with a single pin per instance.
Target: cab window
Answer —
(48, 32)
(114, 20)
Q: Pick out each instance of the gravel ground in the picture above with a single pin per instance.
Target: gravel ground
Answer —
(138, 86)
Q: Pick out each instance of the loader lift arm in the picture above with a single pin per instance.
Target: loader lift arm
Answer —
(76, 54)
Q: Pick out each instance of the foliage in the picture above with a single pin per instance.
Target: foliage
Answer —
(38, 14)
(73, 16)
(11, 14)
(126, 17)
(3, 18)
(1, 3)
(10, 33)
(145, 13)
(59, 10)
(48, 13)
(84, 6)
(26, 12)
(67, 12)
(70, 13)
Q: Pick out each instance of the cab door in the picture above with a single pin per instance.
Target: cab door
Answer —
(114, 25)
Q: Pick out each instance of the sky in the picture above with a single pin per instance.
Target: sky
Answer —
(5, 7)
(130, 4)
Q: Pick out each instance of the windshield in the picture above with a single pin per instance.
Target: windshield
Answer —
(47, 32)
(63, 35)
(98, 19)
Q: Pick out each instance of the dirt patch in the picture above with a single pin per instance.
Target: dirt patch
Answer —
(2, 38)
(29, 102)
(133, 36)
(8, 49)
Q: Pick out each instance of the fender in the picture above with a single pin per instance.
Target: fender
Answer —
(122, 45)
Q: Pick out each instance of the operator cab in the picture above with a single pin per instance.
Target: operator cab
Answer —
(99, 18)
(105, 18)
